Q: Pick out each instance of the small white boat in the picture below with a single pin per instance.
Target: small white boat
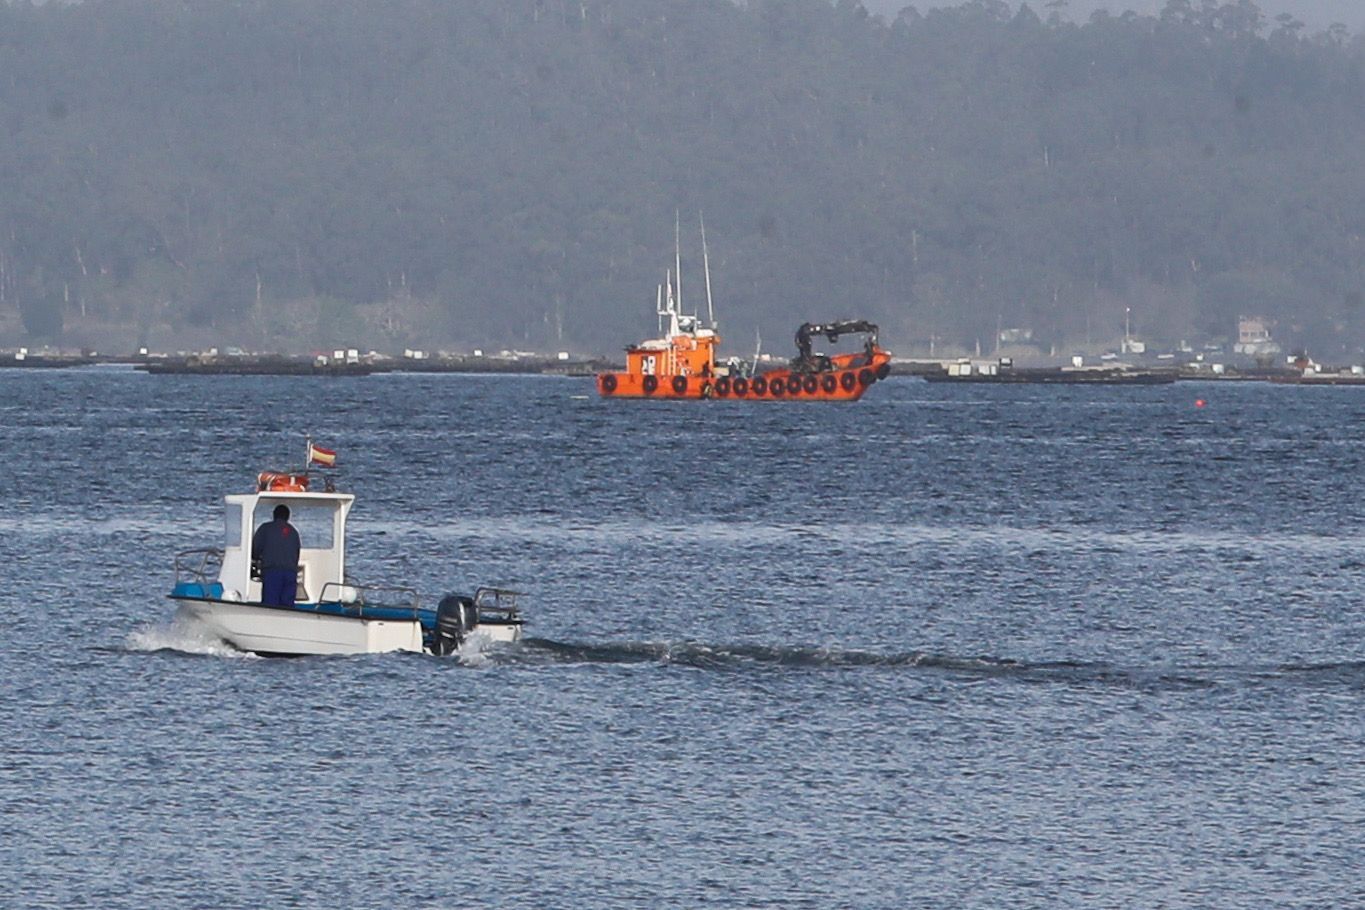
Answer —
(216, 589)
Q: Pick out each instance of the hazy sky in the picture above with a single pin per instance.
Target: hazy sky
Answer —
(1316, 14)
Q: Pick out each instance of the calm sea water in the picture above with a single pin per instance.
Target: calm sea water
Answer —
(946, 647)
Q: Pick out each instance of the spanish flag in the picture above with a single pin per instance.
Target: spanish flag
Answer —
(319, 455)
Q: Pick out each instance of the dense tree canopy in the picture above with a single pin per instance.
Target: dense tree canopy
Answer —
(295, 173)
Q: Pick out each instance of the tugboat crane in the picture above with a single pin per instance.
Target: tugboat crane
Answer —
(806, 362)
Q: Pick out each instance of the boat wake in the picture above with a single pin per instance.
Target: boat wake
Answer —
(1343, 674)
(1348, 675)
(184, 636)
(741, 657)
(479, 651)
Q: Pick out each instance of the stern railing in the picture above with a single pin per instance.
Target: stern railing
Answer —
(498, 604)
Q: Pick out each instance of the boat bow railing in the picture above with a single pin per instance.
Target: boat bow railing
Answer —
(201, 566)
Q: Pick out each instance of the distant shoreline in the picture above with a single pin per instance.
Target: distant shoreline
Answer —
(283, 365)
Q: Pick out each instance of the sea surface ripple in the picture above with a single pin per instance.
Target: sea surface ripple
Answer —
(946, 647)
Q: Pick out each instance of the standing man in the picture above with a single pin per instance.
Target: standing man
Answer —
(275, 548)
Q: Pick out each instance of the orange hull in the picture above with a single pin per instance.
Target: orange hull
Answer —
(849, 377)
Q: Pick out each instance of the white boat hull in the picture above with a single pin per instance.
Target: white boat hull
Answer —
(270, 630)
(265, 630)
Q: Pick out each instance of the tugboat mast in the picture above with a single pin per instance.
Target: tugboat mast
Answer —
(706, 270)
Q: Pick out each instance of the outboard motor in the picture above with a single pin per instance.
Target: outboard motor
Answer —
(456, 617)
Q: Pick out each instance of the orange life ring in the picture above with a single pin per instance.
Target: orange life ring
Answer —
(281, 482)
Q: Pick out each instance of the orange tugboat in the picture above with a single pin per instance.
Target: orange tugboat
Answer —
(682, 363)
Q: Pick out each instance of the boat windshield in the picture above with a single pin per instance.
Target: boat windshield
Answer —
(316, 522)
(232, 520)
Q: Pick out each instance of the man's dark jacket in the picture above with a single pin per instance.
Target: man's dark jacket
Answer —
(276, 545)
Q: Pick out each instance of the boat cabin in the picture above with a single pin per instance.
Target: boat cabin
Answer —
(320, 519)
(683, 354)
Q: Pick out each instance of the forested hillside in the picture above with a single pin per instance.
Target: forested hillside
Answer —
(295, 173)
